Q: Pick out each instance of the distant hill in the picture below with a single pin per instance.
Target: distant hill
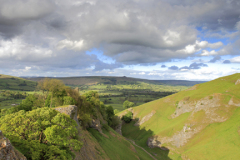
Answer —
(16, 83)
(202, 122)
(92, 80)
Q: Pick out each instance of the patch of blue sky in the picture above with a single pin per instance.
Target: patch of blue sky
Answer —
(101, 56)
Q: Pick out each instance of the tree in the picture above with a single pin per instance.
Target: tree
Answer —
(127, 104)
(55, 87)
(41, 132)
(128, 117)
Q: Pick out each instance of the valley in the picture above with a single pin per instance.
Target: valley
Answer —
(166, 122)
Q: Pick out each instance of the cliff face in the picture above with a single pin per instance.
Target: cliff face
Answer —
(7, 151)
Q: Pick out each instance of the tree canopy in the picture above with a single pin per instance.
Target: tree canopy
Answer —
(127, 104)
(41, 127)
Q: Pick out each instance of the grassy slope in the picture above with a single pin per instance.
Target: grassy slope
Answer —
(16, 83)
(115, 147)
(214, 137)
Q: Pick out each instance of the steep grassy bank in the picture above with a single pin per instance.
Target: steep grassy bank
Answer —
(197, 123)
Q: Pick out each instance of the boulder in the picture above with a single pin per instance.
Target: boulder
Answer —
(153, 142)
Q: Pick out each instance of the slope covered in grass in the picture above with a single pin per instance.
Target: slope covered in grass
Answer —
(16, 83)
(198, 123)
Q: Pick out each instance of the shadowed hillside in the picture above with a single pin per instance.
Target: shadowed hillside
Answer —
(201, 122)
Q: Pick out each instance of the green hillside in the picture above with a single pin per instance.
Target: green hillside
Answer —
(201, 122)
(92, 80)
(16, 83)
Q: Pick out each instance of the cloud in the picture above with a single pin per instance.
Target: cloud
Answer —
(208, 53)
(173, 68)
(217, 58)
(50, 35)
(235, 60)
(163, 66)
(193, 66)
(226, 62)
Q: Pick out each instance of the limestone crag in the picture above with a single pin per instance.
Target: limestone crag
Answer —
(71, 110)
(96, 125)
(7, 151)
(153, 142)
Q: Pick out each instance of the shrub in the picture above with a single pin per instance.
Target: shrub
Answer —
(128, 117)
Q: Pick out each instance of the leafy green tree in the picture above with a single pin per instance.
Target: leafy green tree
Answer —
(55, 87)
(127, 104)
(127, 117)
(42, 128)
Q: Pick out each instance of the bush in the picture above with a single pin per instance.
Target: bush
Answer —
(128, 117)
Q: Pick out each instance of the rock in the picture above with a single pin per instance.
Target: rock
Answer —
(71, 110)
(96, 125)
(119, 128)
(153, 142)
(237, 82)
(7, 151)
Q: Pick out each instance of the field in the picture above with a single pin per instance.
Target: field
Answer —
(112, 90)
(115, 90)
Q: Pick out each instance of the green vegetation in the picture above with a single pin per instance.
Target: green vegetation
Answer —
(15, 83)
(127, 117)
(42, 133)
(116, 147)
(127, 104)
(197, 123)
(115, 90)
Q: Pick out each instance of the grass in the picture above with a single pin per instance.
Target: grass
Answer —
(16, 83)
(216, 140)
(8, 103)
(116, 147)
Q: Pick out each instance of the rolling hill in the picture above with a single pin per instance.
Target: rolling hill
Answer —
(16, 83)
(202, 122)
(92, 80)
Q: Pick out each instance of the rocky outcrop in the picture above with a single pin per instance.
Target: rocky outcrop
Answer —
(96, 125)
(7, 151)
(237, 82)
(153, 142)
(119, 128)
(71, 110)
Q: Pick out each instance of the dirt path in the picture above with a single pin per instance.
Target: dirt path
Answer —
(141, 148)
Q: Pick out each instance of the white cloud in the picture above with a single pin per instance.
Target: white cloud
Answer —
(235, 59)
(208, 53)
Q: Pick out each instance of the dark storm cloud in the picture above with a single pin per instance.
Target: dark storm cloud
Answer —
(15, 14)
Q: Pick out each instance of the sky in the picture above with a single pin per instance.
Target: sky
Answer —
(153, 39)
